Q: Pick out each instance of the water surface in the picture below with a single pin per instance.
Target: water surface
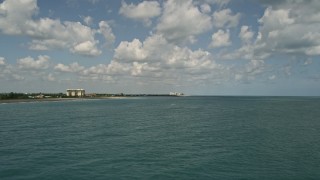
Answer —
(162, 138)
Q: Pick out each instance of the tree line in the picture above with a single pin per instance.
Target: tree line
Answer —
(14, 95)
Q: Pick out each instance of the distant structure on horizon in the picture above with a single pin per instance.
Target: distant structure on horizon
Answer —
(75, 92)
(176, 94)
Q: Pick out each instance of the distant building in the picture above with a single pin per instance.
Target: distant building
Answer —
(176, 94)
(75, 92)
(40, 96)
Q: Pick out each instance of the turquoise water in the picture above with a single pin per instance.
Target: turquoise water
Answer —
(162, 138)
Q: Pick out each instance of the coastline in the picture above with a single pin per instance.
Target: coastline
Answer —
(5, 101)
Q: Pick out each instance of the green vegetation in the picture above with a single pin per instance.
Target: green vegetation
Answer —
(14, 95)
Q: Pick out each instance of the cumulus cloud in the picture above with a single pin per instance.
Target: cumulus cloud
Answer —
(73, 67)
(246, 34)
(17, 18)
(138, 69)
(14, 14)
(106, 31)
(10, 73)
(130, 51)
(2, 61)
(255, 67)
(290, 27)
(250, 71)
(225, 18)
(285, 28)
(47, 44)
(154, 49)
(156, 56)
(86, 48)
(205, 8)
(181, 21)
(154, 59)
(34, 64)
(220, 39)
(88, 20)
(143, 11)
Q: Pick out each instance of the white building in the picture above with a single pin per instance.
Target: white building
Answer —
(75, 92)
(176, 94)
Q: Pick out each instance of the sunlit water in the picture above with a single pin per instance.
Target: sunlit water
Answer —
(162, 138)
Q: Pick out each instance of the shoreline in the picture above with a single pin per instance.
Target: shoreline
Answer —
(7, 101)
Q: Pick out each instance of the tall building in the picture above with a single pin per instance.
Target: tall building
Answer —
(75, 92)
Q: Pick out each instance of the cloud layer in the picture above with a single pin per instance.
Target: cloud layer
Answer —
(143, 11)
(184, 44)
(18, 18)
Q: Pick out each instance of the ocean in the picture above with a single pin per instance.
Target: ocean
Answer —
(162, 138)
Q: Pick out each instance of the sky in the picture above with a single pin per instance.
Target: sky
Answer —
(198, 47)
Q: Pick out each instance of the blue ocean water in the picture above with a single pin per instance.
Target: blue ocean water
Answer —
(162, 138)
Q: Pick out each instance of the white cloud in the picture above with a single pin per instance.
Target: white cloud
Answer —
(156, 55)
(16, 18)
(272, 19)
(47, 44)
(194, 62)
(205, 8)
(34, 64)
(88, 20)
(138, 69)
(255, 67)
(98, 69)
(290, 27)
(143, 11)
(220, 39)
(130, 51)
(62, 68)
(114, 68)
(2, 61)
(250, 71)
(9, 72)
(14, 14)
(86, 48)
(315, 50)
(182, 21)
(225, 18)
(73, 67)
(154, 59)
(106, 31)
(286, 28)
(246, 34)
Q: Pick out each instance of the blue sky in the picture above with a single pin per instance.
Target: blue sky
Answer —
(199, 47)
